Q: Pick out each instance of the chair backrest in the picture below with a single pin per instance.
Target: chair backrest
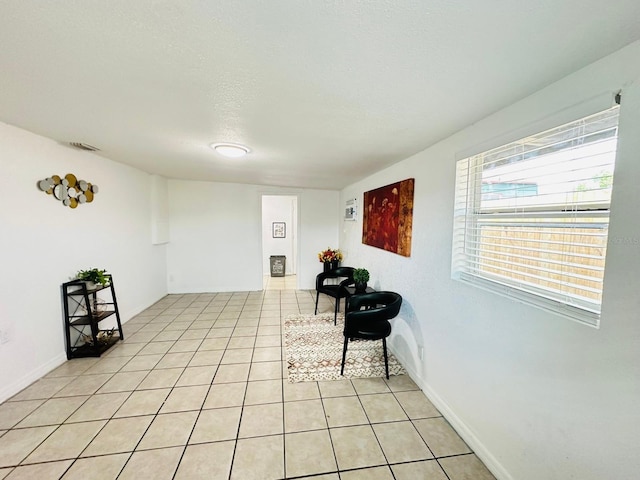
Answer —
(378, 305)
(340, 272)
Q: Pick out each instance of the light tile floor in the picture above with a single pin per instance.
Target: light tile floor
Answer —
(198, 390)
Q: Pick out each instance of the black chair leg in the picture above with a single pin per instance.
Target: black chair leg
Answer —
(317, 297)
(335, 314)
(386, 360)
(344, 354)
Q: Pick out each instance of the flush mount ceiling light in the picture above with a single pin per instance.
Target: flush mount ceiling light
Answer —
(232, 150)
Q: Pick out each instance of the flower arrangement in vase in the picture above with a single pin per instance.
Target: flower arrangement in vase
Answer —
(330, 258)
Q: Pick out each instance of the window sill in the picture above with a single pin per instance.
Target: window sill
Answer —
(585, 317)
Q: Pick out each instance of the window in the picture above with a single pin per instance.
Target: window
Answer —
(531, 217)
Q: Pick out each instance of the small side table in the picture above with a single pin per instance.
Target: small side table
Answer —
(352, 291)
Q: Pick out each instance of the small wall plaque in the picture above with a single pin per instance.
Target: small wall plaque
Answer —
(279, 229)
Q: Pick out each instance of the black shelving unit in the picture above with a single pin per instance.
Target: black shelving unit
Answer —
(84, 309)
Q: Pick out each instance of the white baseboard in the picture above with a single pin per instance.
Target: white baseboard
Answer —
(10, 390)
(132, 312)
(494, 466)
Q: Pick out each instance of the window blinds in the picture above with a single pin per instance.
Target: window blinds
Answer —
(531, 217)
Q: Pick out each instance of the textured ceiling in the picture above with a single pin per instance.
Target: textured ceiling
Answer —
(323, 92)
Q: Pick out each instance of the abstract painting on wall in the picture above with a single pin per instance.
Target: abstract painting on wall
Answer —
(388, 217)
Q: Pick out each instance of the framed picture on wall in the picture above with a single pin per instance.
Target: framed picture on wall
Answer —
(279, 229)
(387, 218)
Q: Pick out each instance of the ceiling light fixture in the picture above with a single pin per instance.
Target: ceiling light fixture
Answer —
(232, 150)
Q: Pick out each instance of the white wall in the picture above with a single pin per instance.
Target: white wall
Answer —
(320, 220)
(216, 235)
(284, 209)
(159, 210)
(538, 396)
(44, 244)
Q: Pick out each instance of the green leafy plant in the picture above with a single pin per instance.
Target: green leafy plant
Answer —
(361, 275)
(94, 275)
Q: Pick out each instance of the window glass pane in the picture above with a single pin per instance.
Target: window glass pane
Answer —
(533, 215)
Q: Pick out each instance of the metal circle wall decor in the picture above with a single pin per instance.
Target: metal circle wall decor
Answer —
(70, 191)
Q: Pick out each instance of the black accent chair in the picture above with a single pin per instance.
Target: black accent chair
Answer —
(367, 317)
(343, 277)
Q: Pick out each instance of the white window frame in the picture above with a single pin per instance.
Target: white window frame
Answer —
(471, 215)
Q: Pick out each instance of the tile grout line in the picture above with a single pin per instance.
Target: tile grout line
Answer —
(263, 318)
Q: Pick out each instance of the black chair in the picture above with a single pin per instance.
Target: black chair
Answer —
(341, 277)
(367, 317)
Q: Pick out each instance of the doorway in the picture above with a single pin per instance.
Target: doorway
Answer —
(280, 233)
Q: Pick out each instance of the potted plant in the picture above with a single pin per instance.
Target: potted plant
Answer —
(361, 277)
(93, 277)
(330, 258)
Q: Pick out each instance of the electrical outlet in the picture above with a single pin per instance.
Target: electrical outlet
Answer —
(421, 353)
(4, 337)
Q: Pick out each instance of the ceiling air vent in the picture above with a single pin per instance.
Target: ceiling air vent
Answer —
(84, 146)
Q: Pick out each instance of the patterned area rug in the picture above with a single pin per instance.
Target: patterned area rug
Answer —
(313, 346)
